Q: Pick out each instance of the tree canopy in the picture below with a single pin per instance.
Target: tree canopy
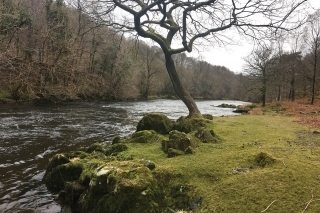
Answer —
(178, 26)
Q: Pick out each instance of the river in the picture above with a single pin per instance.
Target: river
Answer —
(30, 135)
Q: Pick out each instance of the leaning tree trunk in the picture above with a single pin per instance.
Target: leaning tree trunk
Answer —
(179, 89)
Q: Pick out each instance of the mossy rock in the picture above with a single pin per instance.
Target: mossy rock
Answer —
(184, 197)
(148, 163)
(177, 135)
(125, 186)
(104, 148)
(102, 184)
(263, 159)
(155, 121)
(114, 149)
(186, 125)
(116, 139)
(227, 106)
(208, 116)
(207, 135)
(72, 192)
(179, 143)
(57, 176)
(146, 136)
(97, 147)
(174, 152)
(57, 160)
(77, 154)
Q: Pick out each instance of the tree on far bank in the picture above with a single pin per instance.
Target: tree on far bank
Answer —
(258, 67)
(312, 40)
(181, 26)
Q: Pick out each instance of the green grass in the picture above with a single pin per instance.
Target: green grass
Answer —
(289, 183)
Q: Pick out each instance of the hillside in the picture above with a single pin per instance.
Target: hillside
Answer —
(52, 52)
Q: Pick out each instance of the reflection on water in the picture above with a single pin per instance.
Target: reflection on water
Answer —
(30, 135)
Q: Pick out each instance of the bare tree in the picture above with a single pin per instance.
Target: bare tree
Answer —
(258, 66)
(149, 71)
(180, 25)
(312, 39)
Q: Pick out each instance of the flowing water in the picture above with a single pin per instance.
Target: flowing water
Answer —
(30, 135)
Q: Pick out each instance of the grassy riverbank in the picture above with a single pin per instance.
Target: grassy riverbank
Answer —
(230, 177)
(266, 161)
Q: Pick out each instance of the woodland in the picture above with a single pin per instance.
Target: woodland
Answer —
(53, 51)
(74, 50)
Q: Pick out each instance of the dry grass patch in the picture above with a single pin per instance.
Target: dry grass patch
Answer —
(301, 109)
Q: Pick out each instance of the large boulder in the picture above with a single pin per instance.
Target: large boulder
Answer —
(95, 179)
(94, 184)
(155, 121)
(125, 186)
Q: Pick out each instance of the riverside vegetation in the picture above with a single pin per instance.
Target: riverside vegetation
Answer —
(264, 161)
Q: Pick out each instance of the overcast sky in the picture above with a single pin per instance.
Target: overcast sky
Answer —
(231, 56)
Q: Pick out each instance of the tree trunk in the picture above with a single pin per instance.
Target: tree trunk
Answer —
(314, 77)
(263, 98)
(279, 93)
(292, 88)
(264, 87)
(179, 89)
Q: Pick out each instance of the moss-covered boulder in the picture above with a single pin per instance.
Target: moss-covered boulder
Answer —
(108, 185)
(146, 136)
(184, 124)
(224, 105)
(263, 159)
(114, 149)
(155, 121)
(187, 125)
(105, 148)
(206, 135)
(71, 192)
(179, 143)
(57, 174)
(69, 167)
(171, 152)
(126, 186)
(97, 147)
(57, 160)
(208, 116)
(96, 179)
(116, 139)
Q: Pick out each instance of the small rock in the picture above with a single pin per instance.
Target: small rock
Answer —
(208, 116)
(148, 163)
(239, 170)
(174, 152)
(116, 139)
